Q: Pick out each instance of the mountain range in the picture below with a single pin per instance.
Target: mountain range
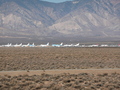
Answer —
(71, 20)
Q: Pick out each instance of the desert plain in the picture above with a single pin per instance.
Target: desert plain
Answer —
(59, 68)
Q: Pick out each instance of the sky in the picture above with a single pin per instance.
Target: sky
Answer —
(56, 1)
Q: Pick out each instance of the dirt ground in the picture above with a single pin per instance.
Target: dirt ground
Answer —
(63, 81)
(58, 58)
(53, 72)
(59, 68)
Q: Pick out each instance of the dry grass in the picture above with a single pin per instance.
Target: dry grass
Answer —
(58, 58)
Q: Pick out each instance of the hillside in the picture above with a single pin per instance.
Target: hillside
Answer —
(35, 19)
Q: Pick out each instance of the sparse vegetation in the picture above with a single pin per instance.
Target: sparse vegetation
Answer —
(58, 58)
(64, 81)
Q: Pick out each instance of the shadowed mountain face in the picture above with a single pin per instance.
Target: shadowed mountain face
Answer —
(43, 20)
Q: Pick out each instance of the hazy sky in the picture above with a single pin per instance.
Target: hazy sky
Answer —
(56, 1)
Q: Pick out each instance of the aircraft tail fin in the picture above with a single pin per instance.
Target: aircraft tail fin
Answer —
(48, 43)
(61, 44)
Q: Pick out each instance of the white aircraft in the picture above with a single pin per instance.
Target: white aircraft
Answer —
(104, 45)
(94, 45)
(83, 45)
(17, 45)
(76, 45)
(26, 45)
(8, 45)
(44, 45)
(57, 45)
(32, 45)
(68, 45)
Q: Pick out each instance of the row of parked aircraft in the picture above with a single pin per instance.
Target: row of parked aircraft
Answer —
(59, 45)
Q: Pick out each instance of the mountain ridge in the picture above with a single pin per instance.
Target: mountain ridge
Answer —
(77, 18)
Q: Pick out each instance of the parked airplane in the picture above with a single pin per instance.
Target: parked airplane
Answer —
(17, 45)
(83, 45)
(26, 45)
(57, 45)
(94, 45)
(76, 45)
(8, 45)
(44, 45)
(104, 45)
(32, 45)
(68, 45)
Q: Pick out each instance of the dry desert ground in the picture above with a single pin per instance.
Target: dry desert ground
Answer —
(59, 68)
